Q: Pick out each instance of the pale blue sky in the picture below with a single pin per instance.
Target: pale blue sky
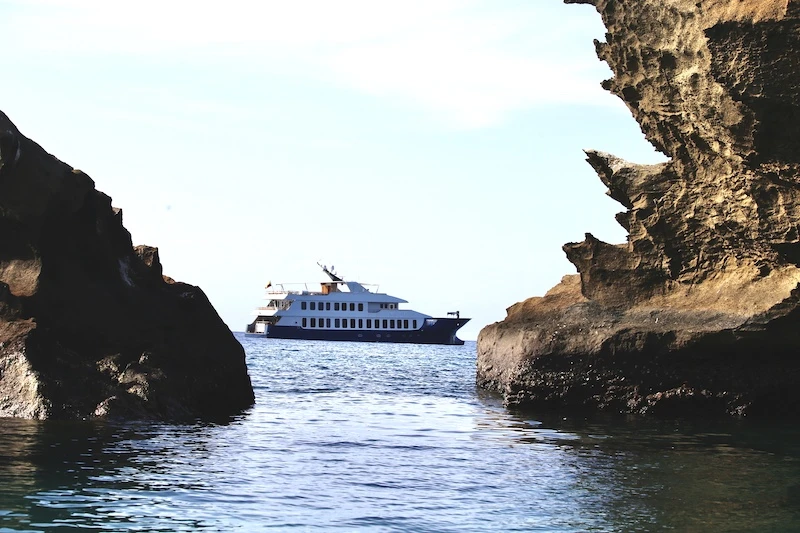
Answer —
(433, 147)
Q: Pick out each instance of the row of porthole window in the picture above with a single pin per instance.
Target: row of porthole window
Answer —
(358, 323)
(326, 306)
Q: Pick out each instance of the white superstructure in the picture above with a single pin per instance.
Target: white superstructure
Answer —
(346, 310)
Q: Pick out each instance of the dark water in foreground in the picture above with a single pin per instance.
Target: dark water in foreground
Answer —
(365, 437)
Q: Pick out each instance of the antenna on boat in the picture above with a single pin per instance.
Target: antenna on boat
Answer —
(330, 273)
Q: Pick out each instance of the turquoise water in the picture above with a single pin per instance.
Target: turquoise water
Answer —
(366, 437)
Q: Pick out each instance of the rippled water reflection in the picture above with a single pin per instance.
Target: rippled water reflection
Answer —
(394, 438)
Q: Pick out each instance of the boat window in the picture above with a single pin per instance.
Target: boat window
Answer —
(385, 323)
(391, 323)
(327, 322)
(352, 307)
(303, 306)
(360, 307)
(304, 322)
(360, 323)
(369, 323)
(313, 306)
(344, 322)
(336, 323)
(327, 306)
(405, 324)
(313, 322)
(353, 323)
(336, 306)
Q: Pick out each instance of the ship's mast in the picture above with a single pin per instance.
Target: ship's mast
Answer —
(330, 274)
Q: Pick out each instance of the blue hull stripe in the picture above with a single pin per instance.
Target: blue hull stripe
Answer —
(442, 332)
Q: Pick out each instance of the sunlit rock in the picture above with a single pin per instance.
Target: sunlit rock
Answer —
(698, 311)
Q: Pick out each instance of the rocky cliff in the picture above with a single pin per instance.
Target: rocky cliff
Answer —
(89, 326)
(698, 310)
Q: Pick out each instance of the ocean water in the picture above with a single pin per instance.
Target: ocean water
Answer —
(368, 437)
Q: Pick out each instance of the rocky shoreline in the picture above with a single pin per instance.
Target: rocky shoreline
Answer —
(697, 313)
(89, 325)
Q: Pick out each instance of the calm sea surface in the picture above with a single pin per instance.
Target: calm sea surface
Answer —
(368, 437)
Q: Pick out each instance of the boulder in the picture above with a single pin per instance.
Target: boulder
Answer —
(698, 311)
(89, 326)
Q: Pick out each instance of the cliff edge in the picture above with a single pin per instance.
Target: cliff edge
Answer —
(698, 311)
(89, 326)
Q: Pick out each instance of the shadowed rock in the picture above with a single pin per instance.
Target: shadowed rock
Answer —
(698, 310)
(88, 324)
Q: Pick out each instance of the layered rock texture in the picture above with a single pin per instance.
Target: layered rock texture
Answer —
(698, 312)
(89, 326)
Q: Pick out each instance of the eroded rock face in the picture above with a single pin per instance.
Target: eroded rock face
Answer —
(88, 324)
(698, 310)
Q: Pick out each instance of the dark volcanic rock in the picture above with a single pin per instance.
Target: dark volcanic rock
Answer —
(88, 324)
(698, 310)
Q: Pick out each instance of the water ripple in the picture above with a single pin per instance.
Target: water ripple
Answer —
(349, 436)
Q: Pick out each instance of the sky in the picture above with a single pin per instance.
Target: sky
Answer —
(434, 148)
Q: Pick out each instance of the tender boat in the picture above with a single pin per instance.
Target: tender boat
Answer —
(347, 311)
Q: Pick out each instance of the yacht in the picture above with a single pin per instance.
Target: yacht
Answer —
(347, 311)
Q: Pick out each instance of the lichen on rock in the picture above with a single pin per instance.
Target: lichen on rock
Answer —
(698, 310)
(89, 326)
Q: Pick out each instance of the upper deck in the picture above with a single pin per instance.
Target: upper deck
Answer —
(351, 291)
